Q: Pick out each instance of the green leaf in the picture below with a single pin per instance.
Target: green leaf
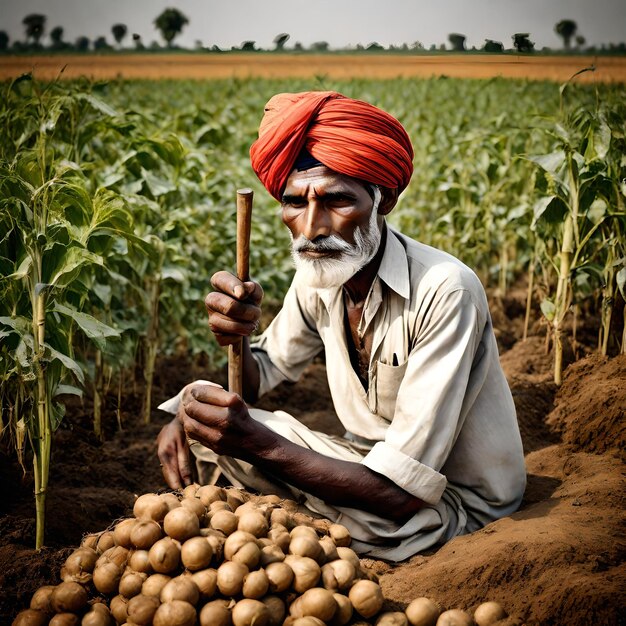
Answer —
(97, 104)
(67, 390)
(621, 282)
(67, 362)
(73, 260)
(551, 162)
(93, 328)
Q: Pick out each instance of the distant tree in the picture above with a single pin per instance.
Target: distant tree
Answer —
(417, 45)
(580, 41)
(34, 26)
(137, 41)
(171, 23)
(522, 43)
(493, 46)
(56, 35)
(374, 47)
(566, 29)
(281, 40)
(319, 46)
(457, 41)
(248, 46)
(4, 40)
(100, 43)
(82, 43)
(298, 46)
(119, 32)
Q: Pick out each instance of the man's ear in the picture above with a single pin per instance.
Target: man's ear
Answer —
(388, 200)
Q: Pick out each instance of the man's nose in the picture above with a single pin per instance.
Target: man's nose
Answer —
(317, 221)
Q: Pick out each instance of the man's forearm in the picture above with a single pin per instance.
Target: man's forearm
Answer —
(337, 482)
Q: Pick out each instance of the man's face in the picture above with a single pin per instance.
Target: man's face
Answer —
(333, 223)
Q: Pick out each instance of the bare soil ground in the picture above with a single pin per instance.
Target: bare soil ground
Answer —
(558, 560)
(334, 66)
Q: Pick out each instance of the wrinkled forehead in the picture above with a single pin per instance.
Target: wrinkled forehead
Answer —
(323, 179)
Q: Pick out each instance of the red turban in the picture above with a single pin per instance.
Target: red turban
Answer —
(348, 136)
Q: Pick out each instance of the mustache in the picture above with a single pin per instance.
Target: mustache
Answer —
(332, 243)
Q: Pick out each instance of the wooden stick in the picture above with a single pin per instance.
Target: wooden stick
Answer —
(244, 218)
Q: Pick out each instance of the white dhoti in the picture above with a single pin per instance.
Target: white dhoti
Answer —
(372, 535)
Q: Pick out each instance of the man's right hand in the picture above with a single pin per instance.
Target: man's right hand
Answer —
(173, 453)
(233, 308)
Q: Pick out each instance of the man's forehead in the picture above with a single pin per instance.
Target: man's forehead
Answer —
(320, 177)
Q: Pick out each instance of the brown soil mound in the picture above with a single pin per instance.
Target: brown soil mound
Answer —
(591, 405)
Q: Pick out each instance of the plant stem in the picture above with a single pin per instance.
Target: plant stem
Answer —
(529, 295)
(97, 396)
(562, 295)
(151, 347)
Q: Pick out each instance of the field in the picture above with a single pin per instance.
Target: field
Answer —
(117, 204)
(333, 66)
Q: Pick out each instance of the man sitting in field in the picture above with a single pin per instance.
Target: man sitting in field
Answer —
(432, 447)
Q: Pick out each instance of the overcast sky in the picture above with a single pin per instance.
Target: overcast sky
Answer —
(227, 23)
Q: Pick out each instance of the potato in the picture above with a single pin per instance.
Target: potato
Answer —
(422, 612)
(230, 578)
(255, 584)
(209, 494)
(276, 608)
(303, 545)
(145, 533)
(180, 588)
(306, 572)
(223, 520)
(150, 506)
(65, 619)
(153, 584)
(279, 576)
(206, 581)
(41, 599)
(249, 554)
(344, 610)
(280, 537)
(131, 583)
(106, 577)
(309, 620)
(235, 497)
(121, 532)
(175, 613)
(30, 617)
(304, 531)
(393, 618)
(340, 535)
(329, 550)
(350, 555)
(248, 612)
(164, 555)
(106, 540)
(190, 491)
(195, 505)
(338, 575)
(215, 613)
(271, 553)
(119, 608)
(181, 524)
(489, 613)
(319, 603)
(117, 554)
(366, 597)
(82, 560)
(98, 615)
(455, 617)
(141, 609)
(139, 561)
(219, 505)
(171, 499)
(280, 516)
(234, 542)
(253, 522)
(90, 541)
(196, 553)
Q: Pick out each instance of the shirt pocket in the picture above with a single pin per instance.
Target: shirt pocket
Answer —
(384, 392)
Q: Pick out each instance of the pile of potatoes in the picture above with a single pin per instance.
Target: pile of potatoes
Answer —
(221, 557)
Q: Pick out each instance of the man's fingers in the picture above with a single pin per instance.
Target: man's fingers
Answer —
(228, 284)
(184, 468)
(220, 304)
(171, 476)
(215, 396)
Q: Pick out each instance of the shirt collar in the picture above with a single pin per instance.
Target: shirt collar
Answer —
(394, 266)
(393, 270)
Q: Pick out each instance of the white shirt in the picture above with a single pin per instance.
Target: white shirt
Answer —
(438, 408)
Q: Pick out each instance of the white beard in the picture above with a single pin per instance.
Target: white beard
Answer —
(333, 272)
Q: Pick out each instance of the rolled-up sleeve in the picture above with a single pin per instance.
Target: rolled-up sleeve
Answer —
(414, 477)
